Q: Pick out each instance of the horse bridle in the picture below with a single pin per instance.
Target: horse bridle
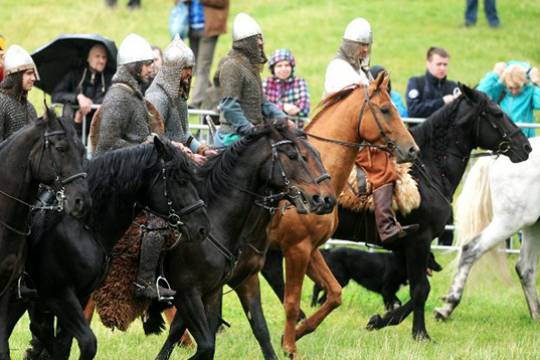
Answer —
(390, 144)
(174, 217)
(60, 183)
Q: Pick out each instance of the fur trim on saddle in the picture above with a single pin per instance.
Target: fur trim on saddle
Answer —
(154, 119)
(115, 301)
(406, 194)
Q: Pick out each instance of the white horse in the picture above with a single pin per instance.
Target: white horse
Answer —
(505, 196)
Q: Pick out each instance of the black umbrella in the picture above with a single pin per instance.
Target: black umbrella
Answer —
(65, 53)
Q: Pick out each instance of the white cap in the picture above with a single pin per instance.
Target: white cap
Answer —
(17, 59)
(359, 30)
(134, 48)
(245, 26)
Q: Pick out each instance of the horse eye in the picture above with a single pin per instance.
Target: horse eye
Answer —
(61, 148)
(385, 109)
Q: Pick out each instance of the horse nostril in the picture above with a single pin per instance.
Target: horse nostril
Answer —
(203, 232)
(316, 199)
(527, 148)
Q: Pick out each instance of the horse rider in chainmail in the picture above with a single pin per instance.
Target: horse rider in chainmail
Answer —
(169, 93)
(243, 103)
(125, 122)
(350, 67)
(20, 73)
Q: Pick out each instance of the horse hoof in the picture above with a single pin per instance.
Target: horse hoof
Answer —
(374, 323)
(440, 315)
(422, 336)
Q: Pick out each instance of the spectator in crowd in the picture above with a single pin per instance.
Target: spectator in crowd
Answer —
(243, 104)
(394, 95)
(84, 87)
(208, 20)
(156, 66)
(471, 12)
(428, 93)
(20, 74)
(288, 91)
(515, 86)
(132, 4)
(3, 46)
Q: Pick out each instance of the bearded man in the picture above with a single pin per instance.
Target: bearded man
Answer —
(169, 93)
(125, 122)
(350, 67)
(20, 73)
(243, 103)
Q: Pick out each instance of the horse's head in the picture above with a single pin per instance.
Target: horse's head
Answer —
(293, 168)
(381, 125)
(57, 160)
(173, 195)
(492, 128)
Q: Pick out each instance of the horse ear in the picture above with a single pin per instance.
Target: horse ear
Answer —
(380, 79)
(467, 92)
(385, 80)
(162, 149)
(46, 114)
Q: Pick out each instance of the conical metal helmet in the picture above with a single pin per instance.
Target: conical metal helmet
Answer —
(176, 57)
(134, 48)
(245, 26)
(17, 59)
(359, 30)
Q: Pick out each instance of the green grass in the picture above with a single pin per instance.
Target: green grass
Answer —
(493, 321)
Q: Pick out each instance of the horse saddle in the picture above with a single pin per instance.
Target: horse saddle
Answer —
(357, 195)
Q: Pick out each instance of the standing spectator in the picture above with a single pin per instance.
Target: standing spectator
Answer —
(428, 93)
(288, 91)
(3, 46)
(85, 87)
(156, 66)
(208, 20)
(471, 12)
(132, 4)
(394, 95)
(515, 86)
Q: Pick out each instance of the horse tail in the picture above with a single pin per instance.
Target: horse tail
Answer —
(474, 210)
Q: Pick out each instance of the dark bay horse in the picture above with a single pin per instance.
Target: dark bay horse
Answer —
(272, 164)
(446, 139)
(48, 152)
(68, 258)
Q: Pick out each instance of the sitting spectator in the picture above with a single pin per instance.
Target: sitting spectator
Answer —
(283, 88)
(85, 87)
(515, 86)
(394, 95)
(430, 92)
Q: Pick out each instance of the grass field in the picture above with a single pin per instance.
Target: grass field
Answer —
(493, 321)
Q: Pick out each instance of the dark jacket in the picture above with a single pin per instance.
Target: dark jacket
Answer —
(73, 84)
(425, 93)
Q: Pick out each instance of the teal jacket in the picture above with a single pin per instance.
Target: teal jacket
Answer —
(519, 108)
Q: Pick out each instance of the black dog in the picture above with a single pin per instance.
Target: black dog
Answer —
(382, 273)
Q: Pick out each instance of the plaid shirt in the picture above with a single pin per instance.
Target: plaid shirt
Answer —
(292, 90)
(196, 15)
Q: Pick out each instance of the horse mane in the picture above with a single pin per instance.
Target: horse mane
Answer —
(330, 101)
(118, 171)
(215, 176)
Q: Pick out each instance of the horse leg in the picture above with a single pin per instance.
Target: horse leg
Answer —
(297, 258)
(320, 273)
(526, 268)
(249, 293)
(470, 252)
(42, 329)
(69, 312)
(417, 258)
(185, 340)
(176, 329)
(4, 328)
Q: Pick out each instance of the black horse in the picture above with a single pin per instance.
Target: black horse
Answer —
(49, 152)
(446, 140)
(243, 187)
(68, 258)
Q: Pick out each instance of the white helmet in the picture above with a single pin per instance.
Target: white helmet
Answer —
(359, 30)
(244, 26)
(17, 59)
(178, 53)
(134, 48)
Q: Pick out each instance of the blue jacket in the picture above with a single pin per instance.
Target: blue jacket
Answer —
(398, 102)
(519, 108)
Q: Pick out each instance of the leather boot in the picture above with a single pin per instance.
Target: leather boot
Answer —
(146, 286)
(387, 225)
